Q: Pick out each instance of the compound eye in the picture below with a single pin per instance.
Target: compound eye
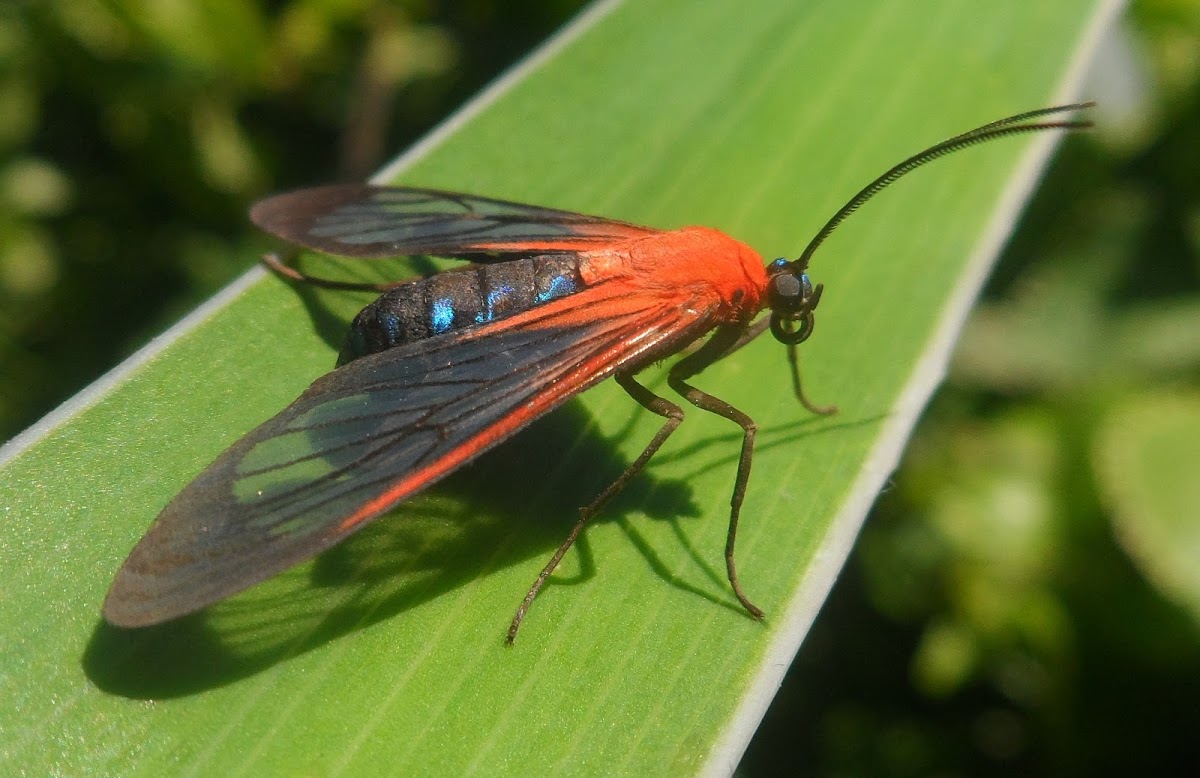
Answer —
(785, 292)
(788, 292)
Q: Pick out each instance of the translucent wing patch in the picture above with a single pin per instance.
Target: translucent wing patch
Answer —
(368, 435)
(358, 220)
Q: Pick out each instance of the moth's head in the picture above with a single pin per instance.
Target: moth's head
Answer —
(792, 299)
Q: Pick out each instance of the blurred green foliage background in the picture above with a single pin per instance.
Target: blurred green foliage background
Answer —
(1025, 598)
(133, 135)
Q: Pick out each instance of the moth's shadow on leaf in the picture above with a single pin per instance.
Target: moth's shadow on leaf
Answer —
(515, 502)
(727, 448)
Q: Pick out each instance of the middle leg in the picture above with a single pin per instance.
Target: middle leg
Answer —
(651, 402)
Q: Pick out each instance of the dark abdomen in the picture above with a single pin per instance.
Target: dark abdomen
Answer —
(462, 298)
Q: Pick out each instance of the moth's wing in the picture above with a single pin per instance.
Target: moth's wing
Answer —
(371, 433)
(359, 220)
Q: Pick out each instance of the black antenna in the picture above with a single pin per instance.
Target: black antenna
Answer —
(1001, 128)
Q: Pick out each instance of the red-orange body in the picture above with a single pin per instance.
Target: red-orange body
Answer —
(691, 263)
(673, 286)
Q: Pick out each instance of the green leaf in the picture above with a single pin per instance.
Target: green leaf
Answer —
(1146, 459)
(387, 654)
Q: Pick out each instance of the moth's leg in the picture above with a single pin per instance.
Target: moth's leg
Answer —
(725, 341)
(280, 267)
(651, 402)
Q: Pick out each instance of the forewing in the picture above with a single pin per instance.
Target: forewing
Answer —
(371, 433)
(359, 220)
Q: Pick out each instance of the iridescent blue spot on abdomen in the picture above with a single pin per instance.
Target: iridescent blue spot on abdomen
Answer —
(494, 300)
(559, 286)
(391, 325)
(555, 276)
(441, 315)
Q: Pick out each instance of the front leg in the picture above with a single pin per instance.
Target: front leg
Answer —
(726, 340)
